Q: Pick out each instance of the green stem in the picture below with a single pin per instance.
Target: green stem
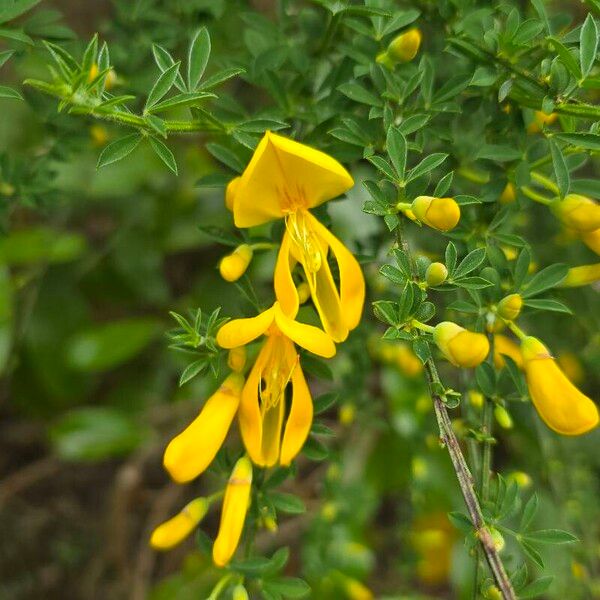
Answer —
(516, 329)
(545, 181)
(422, 326)
(533, 195)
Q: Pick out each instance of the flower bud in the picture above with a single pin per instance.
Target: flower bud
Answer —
(579, 212)
(498, 539)
(404, 47)
(492, 593)
(522, 479)
(355, 590)
(234, 265)
(99, 135)
(476, 399)
(230, 192)
(442, 214)
(436, 274)
(175, 530)
(236, 359)
(240, 593)
(558, 402)
(461, 347)
(509, 194)
(592, 240)
(233, 515)
(510, 306)
(303, 292)
(583, 275)
(503, 345)
(540, 119)
(503, 417)
(347, 413)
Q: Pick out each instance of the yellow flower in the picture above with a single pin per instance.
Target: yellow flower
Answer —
(579, 212)
(559, 403)
(503, 345)
(539, 120)
(509, 194)
(442, 214)
(234, 265)
(592, 240)
(175, 530)
(583, 275)
(355, 590)
(240, 593)
(436, 273)
(461, 347)
(230, 192)
(190, 453)
(233, 515)
(273, 432)
(283, 180)
(404, 47)
(510, 306)
(571, 367)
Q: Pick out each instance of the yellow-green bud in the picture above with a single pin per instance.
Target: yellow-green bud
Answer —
(236, 359)
(404, 47)
(503, 417)
(579, 212)
(436, 274)
(303, 292)
(509, 194)
(461, 347)
(442, 214)
(522, 479)
(583, 275)
(510, 306)
(476, 399)
(492, 593)
(498, 539)
(234, 265)
(240, 593)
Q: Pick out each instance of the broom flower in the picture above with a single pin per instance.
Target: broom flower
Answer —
(578, 212)
(463, 348)
(175, 530)
(442, 214)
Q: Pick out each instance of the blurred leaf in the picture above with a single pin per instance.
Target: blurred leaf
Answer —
(7, 92)
(11, 9)
(536, 588)
(288, 503)
(549, 536)
(40, 245)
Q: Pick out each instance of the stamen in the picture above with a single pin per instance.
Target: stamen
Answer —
(305, 240)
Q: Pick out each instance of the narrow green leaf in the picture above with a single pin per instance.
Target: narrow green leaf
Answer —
(566, 57)
(535, 588)
(198, 58)
(588, 45)
(288, 503)
(4, 56)
(396, 147)
(550, 536)
(469, 263)
(8, 92)
(118, 149)
(220, 77)
(544, 280)
(548, 304)
(531, 551)
(163, 152)
(426, 165)
(588, 141)
(358, 93)
(162, 85)
(561, 170)
(164, 60)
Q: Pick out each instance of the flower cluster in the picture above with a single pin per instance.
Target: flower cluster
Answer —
(272, 402)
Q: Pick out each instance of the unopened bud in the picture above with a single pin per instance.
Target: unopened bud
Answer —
(509, 194)
(522, 479)
(442, 214)
(510, 306)
(583, 275)
(240, 593)
(404, 47)
(236, 359)
(503, 417)
(540, 119)
(461, 347)
(498, 539)
(436, 274)
(303, 292)
(579, 212)
(347, 414)
(476, 399)
(234, 265)
(492, 593)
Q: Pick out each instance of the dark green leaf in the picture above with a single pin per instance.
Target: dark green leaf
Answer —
(561, 170)
(588, 45)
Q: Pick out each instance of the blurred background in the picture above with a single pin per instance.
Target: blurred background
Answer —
(91, 263)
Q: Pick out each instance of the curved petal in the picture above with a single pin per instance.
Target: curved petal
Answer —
(285, 289)
(240, 332)
(309, 337)
(300, 417)
(352, 281)
(190, 453)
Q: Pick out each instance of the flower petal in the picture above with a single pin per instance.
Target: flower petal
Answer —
(309, 337)
(176, 529)
(240, 332)
(285, 289)
(300, 417)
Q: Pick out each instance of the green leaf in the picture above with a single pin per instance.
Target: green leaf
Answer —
(324, 402)
(17, 35)
(4, 56)
(588, 45)
(162, 85)
(107, 345)
(289, 587)
(192, 370)
(396, 147)
(198, 58)
(588, 141)
(469, 263)
(118, 149)
(383, 165)
(535, 588)
(11, 9)
(426, 165)
(544, 280)
(533, 554)
(220, 77)
(226, 156)
(561, 170)
(164, 153)
(460, 521)
(566, 57)
(358, 93)
(499, 152)
(450, 258)
(180, 100)
(550, 536)
(529, 512)
(7, 92)
(548, 304)
(164, 60)
(288, 503)
(393, 274)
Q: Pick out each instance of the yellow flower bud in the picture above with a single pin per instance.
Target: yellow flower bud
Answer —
(347, 414)
(436, 273)
(407, 361)
(539, 120)
(521, 478)
(190, 453)
(510, 306)
(404, 47)
(476, 399)
(233, 515)
(419, 467)
(592, 240)
(240, 593)
(492, 593)
(498, 539)
(504, 345)
(579, 212)
(234, 265)
(503, 417)
(461, 347)
(303, 292)
(442, 214)
(329, 511)
(175, 530)
(509, 194)
(558, 402)
(583, 275)
(99, 135)
(236, 359)
(355, 590)
(230, 192)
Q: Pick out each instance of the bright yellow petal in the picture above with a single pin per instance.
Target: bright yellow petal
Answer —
(310, 338)
(285, 289)
(284, 175)
(233, 515)
(352, 281)
(240, 332)
(190, 453)
(175, 530)
(300, 417)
